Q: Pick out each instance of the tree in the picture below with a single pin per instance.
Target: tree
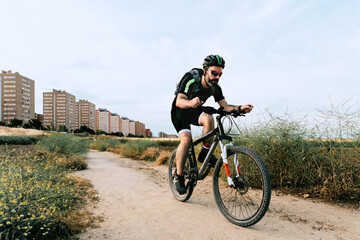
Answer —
(62, 128)
(119, 134)
(83, 129)
(99, 132)
(36, 123)
(15, 122)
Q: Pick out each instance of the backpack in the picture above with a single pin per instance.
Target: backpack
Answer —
(195, 73)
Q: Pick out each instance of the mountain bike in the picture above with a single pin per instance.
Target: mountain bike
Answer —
(241, 182)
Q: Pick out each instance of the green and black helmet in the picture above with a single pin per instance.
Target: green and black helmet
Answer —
(214, 60)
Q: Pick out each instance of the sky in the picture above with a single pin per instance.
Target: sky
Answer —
(128, 56)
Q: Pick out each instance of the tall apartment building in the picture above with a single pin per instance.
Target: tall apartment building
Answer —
(139, 129)
(162, 135)
(126, 126)
(17, 97)
(59, 109)
(115, 123)
(148, 133)
(103, 120)
(85, 114)
(132, 127)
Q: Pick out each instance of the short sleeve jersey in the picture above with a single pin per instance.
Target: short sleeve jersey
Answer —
(192, 89)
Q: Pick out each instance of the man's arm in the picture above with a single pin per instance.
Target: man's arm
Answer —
(182, 101)
(227, 107)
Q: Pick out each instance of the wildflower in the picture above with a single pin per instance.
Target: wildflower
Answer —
(13, 211)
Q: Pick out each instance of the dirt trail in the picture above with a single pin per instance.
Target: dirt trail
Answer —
(136, 203)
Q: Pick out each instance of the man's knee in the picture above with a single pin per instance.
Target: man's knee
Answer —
(207, 120)
(185, 139)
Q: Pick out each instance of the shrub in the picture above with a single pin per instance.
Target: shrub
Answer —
(150, 154)
(104, 144)
(297, 160)
(163, 158)
(134, 149)
(36, 197)
(65, 144)
(19, 140)
(74, 162)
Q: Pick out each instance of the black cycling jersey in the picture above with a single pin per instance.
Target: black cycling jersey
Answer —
(182, 118)
(193, 90)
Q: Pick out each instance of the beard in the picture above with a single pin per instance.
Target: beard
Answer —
(211, 82)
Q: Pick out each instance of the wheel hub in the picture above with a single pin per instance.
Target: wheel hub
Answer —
(241, 184)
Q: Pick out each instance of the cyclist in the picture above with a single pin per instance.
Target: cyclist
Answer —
(194, 89)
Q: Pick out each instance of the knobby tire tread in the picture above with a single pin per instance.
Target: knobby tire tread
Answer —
(187, 195)
(266, 182)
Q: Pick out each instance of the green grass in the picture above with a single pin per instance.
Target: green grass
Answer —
(19, 140)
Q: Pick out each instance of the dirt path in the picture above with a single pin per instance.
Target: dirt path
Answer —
(136, 203)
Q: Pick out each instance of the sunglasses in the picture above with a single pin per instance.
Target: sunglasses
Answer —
(216, 73)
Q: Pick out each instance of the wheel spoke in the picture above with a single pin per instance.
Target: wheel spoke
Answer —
(186, 171)
(244, 204)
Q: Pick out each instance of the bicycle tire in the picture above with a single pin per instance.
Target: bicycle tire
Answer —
(247, 202)
(172, 169)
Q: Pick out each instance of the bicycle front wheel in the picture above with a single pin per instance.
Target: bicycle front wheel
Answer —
(246, 201)
(172, 170)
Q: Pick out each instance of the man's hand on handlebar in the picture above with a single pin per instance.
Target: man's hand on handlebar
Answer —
(246, 108)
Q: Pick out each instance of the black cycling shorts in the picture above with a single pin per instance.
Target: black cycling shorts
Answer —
(183, 118)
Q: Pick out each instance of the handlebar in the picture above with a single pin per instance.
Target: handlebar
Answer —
(234, 113)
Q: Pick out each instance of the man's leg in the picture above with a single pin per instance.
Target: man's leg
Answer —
(182, 151)
(207, 121)
(180, 158)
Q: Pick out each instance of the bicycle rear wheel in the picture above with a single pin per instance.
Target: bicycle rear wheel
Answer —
(247, 202)
(172, 169)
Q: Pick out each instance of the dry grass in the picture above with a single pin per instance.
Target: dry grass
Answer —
(150, 154)
(115, 150)
(8, 131)
(163, 158)
(83, 218)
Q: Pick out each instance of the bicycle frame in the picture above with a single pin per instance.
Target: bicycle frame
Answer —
(219, 136)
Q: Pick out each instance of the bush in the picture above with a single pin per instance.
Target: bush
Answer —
(36, 197)
(74, 162)
(134, 149)
(163, 158)
(19, 140)
(65, 144)
(296, 160)
(103, 145)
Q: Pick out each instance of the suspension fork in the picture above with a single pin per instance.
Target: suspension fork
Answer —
(224, 156)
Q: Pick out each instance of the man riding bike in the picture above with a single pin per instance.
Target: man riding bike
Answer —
(194, 89)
